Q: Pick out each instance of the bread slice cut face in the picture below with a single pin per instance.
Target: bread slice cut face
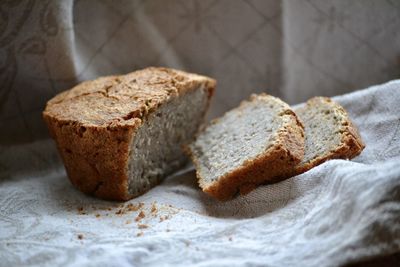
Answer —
(259, 141)
(330, 134)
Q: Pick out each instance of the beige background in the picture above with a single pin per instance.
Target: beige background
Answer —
(292, 49)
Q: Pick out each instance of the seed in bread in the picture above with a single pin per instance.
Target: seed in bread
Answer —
(120, 135)
(260, 140)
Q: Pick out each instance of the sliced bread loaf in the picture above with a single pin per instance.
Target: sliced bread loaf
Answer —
(329, 133)
(119, 135)
(260, 140)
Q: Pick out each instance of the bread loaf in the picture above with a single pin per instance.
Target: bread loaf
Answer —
(120, 135)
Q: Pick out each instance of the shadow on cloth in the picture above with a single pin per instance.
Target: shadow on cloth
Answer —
(179, 190)
(29, 160)
(265, 199)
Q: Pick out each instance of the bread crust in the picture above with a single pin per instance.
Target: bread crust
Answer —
(271, 166)
(351, 142)
(95, 158)
(95, 122)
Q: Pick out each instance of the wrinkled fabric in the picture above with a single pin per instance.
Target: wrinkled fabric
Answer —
(338, 213)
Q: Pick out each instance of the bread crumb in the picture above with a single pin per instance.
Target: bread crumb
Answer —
(153, 208)
(97, 215)
(142, 226)
(140, 216)
(139, 234)
(80, 236)
(128, 222)
(165, 217)
(133, 207)
(129, 207)
(81, 211)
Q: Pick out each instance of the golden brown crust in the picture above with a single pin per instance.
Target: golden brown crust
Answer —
(95, 158)
(118, 99)
(94, 124)
(269, 167)
(351, 142)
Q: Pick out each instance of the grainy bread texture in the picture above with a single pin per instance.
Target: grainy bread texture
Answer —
(329, 133)
(119, 135)
(255, 143)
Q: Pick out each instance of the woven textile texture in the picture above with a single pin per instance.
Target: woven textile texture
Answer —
(337, 213)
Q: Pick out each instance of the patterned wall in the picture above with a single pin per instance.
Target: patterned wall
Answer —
(339, 46)
(292, 49)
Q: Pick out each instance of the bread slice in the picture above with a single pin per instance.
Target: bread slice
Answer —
(329, 133)
(260, 140)
(120, 135)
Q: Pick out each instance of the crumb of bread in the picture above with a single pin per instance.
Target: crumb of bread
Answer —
(154, 208)
(80, 236)
(140, 216)
(142, 226)
(165, 217)
(128, 222)
(81, 211)
(139, 234)
(133, 207)
(128, 208)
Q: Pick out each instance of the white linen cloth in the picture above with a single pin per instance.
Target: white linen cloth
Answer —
(337, 213)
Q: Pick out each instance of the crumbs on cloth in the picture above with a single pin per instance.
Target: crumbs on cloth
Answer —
(134, 211)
